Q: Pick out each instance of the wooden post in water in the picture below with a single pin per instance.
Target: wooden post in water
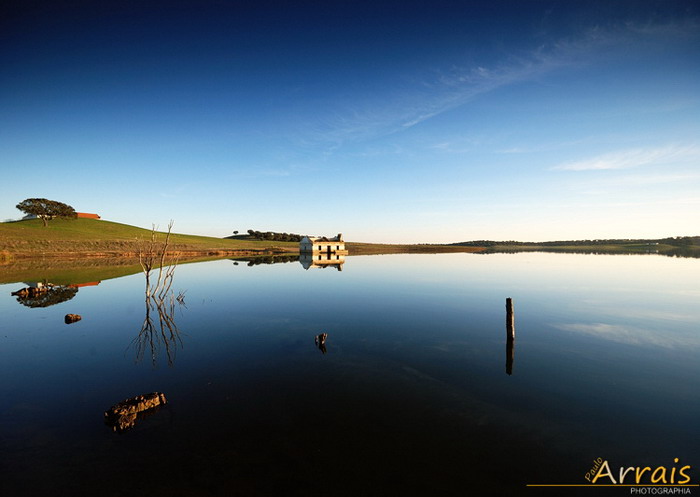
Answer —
(510, 336)
(510, 319)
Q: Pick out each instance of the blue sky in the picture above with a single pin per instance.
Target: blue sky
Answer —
(387, 121)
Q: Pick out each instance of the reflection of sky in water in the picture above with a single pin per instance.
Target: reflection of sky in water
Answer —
(633, 335)
(605, 350)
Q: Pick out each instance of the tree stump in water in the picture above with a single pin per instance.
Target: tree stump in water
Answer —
(72, 318)
(123, 415)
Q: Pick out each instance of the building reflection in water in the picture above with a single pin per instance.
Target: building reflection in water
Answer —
(322, 260)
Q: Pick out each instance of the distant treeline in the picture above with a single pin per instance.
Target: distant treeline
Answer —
(679, 241)
(271, 235)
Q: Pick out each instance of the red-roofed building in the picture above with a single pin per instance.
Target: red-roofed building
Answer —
(80, 285)
(87, 215)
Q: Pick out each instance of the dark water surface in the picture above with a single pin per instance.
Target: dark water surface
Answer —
(410, 398)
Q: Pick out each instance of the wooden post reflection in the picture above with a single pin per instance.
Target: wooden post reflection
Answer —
(510, 336)
(510, 354)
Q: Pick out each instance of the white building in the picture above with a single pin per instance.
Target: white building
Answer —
(322, 245)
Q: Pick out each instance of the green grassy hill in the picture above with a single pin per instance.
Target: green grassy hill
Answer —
(91, 237)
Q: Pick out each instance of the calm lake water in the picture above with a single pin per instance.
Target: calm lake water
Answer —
(411, 396)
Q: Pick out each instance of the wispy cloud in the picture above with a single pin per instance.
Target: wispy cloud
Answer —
(460, 145)
(683, 28)
(629, 180)
(409, 104)
(447, 89)
(544, 147)
(266, 170)
(626, 159)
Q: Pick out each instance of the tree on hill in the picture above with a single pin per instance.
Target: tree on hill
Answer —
(274, 236)
(45, 209)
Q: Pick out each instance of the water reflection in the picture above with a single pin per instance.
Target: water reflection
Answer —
(322, 260)
(510, 355)
(307, 260)
(266, 259)
(681, 253)
(44, 294)
(634, 335)
(416, 370)
(160, 331)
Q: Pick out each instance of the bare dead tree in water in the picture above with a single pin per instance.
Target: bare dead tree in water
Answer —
(159, 299)
(153, 254)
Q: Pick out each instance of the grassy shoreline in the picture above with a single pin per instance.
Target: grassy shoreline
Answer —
(620, 249)
(89, 238)
(84, 239)
(358, 248)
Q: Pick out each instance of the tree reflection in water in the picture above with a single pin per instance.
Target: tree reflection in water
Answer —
(44, 295)
(161, 330)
